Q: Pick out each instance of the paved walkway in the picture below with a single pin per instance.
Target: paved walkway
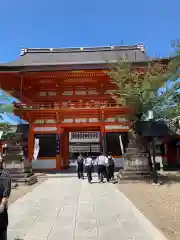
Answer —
(64, 207)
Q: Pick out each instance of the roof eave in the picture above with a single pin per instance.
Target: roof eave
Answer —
(73, 66)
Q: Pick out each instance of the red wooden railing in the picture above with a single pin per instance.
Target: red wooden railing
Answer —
(68, 105)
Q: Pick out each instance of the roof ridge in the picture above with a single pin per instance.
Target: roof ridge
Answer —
(81, 49)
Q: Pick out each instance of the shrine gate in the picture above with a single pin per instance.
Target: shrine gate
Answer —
(66, 92)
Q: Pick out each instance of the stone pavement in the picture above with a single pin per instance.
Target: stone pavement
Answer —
(64, 207)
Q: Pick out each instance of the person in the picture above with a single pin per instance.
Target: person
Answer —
(88, 163)
(102, 160)
(110, 167)
(80, 167)
(5, 190)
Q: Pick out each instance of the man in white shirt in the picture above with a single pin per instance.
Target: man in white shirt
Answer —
(101, 161)
(88, 163)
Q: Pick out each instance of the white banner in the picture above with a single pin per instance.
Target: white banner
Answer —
(36, 148)
(1, 133)
(121, 144)
(121, 160)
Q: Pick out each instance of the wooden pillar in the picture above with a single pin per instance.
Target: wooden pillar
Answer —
(65, 150)
(59, 143)
(103, 140)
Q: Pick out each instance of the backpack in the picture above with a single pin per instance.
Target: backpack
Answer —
(80, 160)
(110, 161)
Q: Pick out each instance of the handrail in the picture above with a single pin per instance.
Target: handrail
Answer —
(68, 105)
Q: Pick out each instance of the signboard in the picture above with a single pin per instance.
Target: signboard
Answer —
(57, 143)
(116, 127)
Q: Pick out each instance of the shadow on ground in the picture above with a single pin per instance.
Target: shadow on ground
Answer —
(167, 178)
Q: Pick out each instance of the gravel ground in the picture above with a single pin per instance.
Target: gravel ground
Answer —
(161, 205)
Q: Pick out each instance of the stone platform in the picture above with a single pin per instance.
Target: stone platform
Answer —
(64, 207)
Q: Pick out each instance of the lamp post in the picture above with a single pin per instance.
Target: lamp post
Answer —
(155, 175)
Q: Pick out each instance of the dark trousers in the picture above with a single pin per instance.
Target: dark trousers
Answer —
(3, 225)
(3, 233)
(89, 173)
(102, 173)
(80, 171)
(110, 172)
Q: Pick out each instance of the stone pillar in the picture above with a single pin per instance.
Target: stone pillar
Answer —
(135, 158)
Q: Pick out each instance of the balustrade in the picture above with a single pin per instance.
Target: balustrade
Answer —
(65, 105)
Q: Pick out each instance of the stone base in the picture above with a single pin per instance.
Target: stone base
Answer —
(19, 177)
(135, 167)
(136, 162)
(21, 172)
(133, 176)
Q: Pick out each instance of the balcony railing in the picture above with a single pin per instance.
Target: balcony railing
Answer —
(68, 105)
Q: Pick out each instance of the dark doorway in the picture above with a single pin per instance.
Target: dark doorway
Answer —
(113, 143)
(47, 144)
(86, 142)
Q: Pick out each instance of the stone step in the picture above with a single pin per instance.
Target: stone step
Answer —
(135, 170)
(21, 175)
(14, 170)
(124, 176)
(133, 175)
(13, 165)
(9, 158)
(129, 172)
(25, 180)
(134, 180)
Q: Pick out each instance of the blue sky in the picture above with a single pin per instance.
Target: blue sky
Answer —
(69, 23)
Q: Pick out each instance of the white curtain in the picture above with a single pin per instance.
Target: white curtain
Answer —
(36, 148)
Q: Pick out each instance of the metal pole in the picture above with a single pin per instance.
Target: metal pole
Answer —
(155, 175)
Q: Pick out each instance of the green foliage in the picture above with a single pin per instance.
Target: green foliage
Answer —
(171, 97)
(173, 66)
(137, 90)
(4, 127)
(8, 108)
(8, 135)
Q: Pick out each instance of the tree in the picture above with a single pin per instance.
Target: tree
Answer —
(5, 103)
(173, 66)
(6, 108)
(137, 90)
(170, 99)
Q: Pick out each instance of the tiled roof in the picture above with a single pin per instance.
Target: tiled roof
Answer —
(70, 56)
